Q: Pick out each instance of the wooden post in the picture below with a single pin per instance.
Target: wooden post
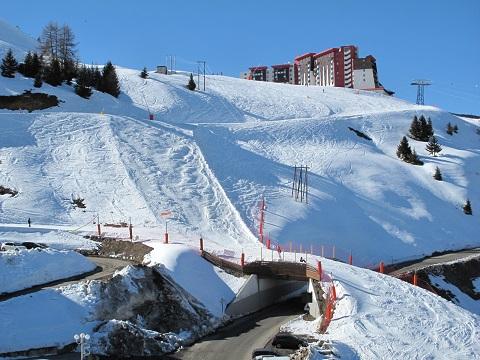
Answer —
(201, 244)
(166, 238)
(319, 269)
(99, 231)
(382, 267)
(130, 231)
(242, 260)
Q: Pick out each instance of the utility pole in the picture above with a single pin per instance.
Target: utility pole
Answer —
(420, 83)
(204, 64)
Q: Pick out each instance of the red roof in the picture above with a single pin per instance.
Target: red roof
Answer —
(281, 66)
(304, 56)
(325, 52)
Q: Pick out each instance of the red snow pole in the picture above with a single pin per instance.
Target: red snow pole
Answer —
(268, 243)
(350, 259)
(242, 260)
(415, 279)
(319, 270)
(201, 244)
(382, 267)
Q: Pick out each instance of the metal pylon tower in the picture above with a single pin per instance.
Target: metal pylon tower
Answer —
(421, 89)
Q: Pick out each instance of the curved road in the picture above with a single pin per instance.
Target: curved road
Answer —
(106, 267)
(239, 339)
(436, 260)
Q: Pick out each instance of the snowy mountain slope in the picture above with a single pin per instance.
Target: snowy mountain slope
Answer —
(13, 38)
(210, 157)
(380, 317)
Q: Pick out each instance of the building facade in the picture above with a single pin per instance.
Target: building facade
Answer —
(339, 67)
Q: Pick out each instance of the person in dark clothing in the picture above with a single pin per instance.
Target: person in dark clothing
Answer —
(29, 222)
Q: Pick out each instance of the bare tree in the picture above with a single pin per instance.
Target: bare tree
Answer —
(67, 51)
(49, 40)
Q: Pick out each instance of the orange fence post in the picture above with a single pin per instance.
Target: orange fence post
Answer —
(415, 279)
(382, 267)
(242, 260)
(334, 293)
(268, 243)
(166, 238)
(319, 270)
(201, 244)
(350, 260)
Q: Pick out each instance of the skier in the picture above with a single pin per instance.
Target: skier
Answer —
(29, 222)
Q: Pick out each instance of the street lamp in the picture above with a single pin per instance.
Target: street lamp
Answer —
(82, 340)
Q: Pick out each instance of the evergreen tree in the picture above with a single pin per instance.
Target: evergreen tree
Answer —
(413, 159)
(9, 65)
(191, 83)
(53, 74)
(449, 129)
(36, 64)
(109, 80)
(455, 129)
(144, 73)
(423, 136)
(25, 68)
(38, 80)
(81, 87)
(415, 128)
(429, 129)
(467, 208)
(433, 147)
(404, 151)
(437, 175)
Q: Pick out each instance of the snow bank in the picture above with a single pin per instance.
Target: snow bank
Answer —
(460, 298)
(381, 317)
(47, 317)
(208, 284)
(26, 268)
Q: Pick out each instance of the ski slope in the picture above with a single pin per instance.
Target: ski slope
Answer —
(209, 157)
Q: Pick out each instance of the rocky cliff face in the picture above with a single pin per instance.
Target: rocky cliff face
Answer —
(143, 312)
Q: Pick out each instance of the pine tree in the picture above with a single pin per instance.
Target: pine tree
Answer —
(9, 65)
(449, 129)
(53, 74)
(415, 128)
(455, 129)
(25, 68)
(36, 64)
(144, 73)
(437, 175)
(424, 131)
(467, 208)
(413, 159)
(429, 129)
(81, 87)
(38, 80)
(109, 81)
(191, 83)
(433, 147)
(404, 151)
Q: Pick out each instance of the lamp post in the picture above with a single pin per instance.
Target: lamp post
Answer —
(82, 340)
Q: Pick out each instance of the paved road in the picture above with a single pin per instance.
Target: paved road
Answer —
(239, 339)
(105, 269)
(436, 260)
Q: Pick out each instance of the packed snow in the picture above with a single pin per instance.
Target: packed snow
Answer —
(22, 269)
(380, 317)
(208, 158)
(192, 273)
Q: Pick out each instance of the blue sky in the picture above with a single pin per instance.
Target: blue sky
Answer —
(437, 40)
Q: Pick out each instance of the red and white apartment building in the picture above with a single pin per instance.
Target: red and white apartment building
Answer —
(339, 67)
